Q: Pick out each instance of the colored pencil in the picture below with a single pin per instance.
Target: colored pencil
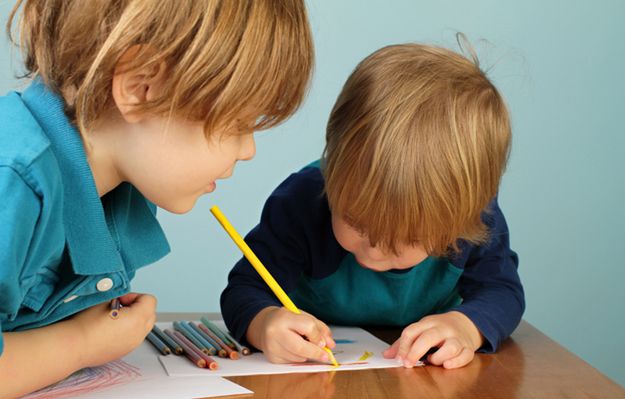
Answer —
(212, 349)
(209, 338)
(183, 330)
(229, 352)
(260, 268)
(217, 331)
(188, 352)
(158, 344)
(221, 352)
(115, 306)
(209, 361)
(173, 345)
(226, 338)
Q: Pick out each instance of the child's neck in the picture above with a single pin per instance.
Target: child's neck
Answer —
(101, 149)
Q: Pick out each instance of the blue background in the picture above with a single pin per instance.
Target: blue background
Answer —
(560, 66)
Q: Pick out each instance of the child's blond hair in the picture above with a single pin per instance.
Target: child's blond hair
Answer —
(221, 55)
(416, 145)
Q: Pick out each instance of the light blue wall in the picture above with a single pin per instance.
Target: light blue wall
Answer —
(561, 67)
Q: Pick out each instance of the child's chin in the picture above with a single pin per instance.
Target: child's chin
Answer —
(180, 207)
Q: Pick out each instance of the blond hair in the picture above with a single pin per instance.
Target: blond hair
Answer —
(221, 55)
(416, 145)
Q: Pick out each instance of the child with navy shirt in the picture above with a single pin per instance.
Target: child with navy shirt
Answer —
(397, 225)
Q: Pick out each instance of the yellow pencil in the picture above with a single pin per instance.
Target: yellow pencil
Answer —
(260, 268)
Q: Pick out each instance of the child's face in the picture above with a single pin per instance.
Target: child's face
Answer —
(172, 162)
(373, 257)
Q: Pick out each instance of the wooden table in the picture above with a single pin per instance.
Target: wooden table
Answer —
(528, 365)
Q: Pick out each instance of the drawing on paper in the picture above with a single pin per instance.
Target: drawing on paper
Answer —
(88, 380)
(344, 341)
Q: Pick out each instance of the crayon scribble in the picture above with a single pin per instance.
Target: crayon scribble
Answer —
(88, 380)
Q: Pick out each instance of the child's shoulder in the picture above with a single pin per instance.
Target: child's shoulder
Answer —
(22, 140)
(301, 195)
(306, 183)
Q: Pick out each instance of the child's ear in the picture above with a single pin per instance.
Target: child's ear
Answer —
(131, 88)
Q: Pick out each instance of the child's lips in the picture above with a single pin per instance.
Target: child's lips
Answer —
(211, 187)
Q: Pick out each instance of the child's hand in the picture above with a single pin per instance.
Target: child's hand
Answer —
(453, 333)
(105, 338)
(286, 337)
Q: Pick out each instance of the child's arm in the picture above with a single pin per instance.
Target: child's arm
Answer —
(453, 334)
(33, 359)
(490, 287)
(286, 242)
(492, 306)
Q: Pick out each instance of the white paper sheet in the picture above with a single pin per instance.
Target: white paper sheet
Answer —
(137, 375)
(170, 388)
(347, 354)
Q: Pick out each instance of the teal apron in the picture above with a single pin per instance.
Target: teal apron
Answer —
(355, 295)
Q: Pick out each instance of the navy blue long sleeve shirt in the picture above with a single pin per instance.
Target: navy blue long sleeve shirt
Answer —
(295, 241)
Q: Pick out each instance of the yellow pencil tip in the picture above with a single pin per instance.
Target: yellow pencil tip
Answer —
(332, 358)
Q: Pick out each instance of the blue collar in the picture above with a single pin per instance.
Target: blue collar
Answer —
(92, 248)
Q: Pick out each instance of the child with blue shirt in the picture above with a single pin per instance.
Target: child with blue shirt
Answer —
(398, 225)
(132, 105)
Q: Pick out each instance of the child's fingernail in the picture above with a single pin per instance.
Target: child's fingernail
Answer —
(322, 343)
(407, 364)
(325, 357)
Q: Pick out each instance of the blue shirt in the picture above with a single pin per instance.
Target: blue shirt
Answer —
(296, 243)
(62, 247)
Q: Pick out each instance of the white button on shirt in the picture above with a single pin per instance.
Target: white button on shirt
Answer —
(104, 285)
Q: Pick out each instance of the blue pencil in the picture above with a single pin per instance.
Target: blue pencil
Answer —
(158, 344)
(178, 326)
(210, 340)
(227, 338)
(175, 348)
(217, 331)
(200, 338)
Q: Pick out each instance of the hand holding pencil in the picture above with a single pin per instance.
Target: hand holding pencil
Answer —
(98, 338)
(300, 324)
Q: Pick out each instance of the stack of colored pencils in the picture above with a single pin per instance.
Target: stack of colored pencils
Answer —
(197, 341)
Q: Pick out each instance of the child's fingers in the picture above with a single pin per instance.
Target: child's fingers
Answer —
(129, 298)
(298, 346)
(449, 350)
(461, 360)
(136, 299)
(326, 334)
(308, 327)
(391, 352)
(428, 339)
(287, 356)
(408, 337)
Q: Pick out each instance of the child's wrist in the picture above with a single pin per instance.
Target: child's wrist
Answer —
(255, 334)
(77, 336)
(475, 336)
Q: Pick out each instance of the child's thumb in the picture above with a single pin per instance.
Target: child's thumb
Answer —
(129, 298)
(135, 298)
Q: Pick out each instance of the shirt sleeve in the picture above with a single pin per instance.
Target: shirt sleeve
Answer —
(280, 245)
(490, 286)
(19, 211)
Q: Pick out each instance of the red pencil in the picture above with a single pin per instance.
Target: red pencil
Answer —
(210, 362)
(188, 352)
(234, 355)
